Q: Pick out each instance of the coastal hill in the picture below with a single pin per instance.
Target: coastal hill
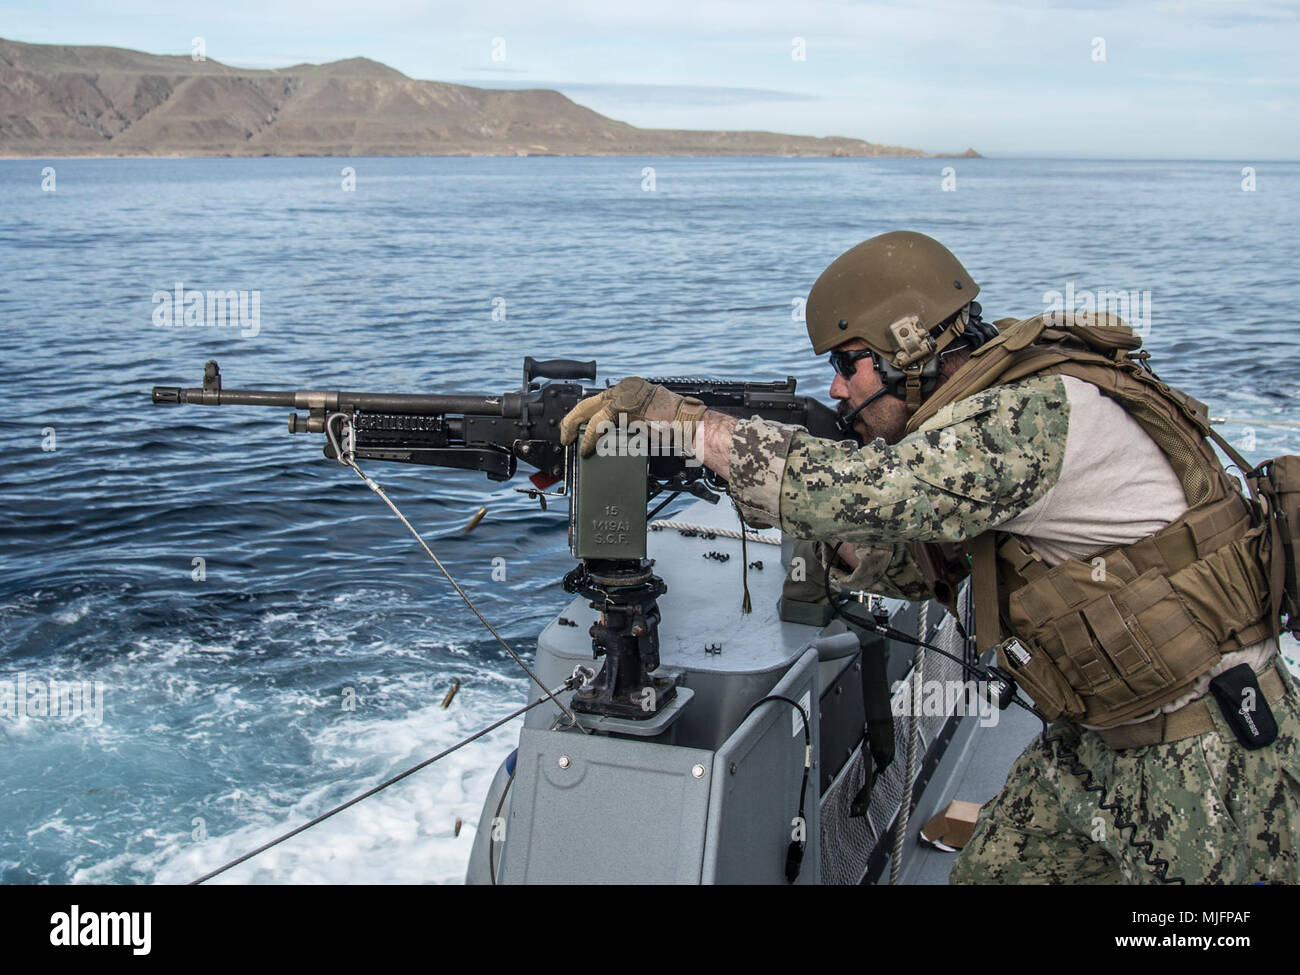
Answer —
(103, 101)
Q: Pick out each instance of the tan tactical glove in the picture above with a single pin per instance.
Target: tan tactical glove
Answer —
(638, 399)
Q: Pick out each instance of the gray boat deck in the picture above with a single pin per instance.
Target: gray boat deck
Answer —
(973, 769)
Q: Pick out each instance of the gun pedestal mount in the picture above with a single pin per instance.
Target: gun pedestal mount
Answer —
(626, 593)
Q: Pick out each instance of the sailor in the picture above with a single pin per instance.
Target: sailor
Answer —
(1113, 561)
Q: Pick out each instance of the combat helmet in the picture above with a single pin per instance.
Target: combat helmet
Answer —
(907, 298)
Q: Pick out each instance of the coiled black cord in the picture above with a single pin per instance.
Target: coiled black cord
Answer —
(1064, 753)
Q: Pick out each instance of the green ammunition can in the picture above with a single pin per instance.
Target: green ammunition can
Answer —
(607, 513)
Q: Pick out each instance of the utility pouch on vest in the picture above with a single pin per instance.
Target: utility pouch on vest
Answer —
(1124, 644)
(1243, 705)
(1279, 481)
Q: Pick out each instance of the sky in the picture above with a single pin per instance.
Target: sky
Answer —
(1128, 79)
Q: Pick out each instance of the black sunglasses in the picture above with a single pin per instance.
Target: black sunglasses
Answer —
(845, 362)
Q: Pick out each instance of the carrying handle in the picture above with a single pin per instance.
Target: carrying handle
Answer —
(558, 369)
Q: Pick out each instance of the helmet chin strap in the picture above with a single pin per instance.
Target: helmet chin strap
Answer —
(845, 423)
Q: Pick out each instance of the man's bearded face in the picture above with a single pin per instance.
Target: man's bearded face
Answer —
(886, 417)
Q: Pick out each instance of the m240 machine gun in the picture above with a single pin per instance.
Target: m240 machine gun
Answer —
(609, 491)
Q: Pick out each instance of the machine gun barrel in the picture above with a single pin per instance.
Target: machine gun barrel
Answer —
(405, 404)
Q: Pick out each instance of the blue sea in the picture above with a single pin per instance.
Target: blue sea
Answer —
(230, 592)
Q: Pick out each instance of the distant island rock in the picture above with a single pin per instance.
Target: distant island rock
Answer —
(968, 154)
(101, 101)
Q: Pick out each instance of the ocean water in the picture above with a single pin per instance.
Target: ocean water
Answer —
(225, 716)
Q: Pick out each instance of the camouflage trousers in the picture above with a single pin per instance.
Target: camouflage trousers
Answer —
(1219, 813)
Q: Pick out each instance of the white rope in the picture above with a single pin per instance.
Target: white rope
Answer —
(720, 532)
(904, 812)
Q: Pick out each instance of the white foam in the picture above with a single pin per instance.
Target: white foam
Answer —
(405, 834)
(69, 616)
(56, 825)
(1290, 653)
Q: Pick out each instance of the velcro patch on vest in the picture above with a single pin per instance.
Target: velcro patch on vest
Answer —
(1243, 705)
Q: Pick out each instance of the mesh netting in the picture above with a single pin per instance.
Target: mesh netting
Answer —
(847, 843)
